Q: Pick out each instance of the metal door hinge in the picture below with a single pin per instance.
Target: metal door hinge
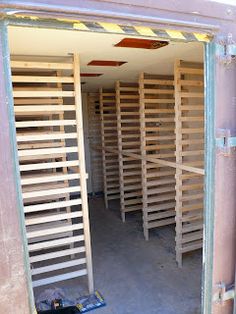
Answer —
(224, 293)
(225, 143)
(226, 49)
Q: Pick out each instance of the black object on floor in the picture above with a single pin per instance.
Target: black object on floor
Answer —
(66, 310)
(83, 304)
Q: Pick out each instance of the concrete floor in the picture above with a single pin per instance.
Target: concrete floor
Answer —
(136, 276)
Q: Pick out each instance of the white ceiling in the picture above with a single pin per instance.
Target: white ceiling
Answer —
(98, 46)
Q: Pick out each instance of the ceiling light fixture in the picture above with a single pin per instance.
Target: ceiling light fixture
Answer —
(141, 43)
(90, 74)
(106, 63)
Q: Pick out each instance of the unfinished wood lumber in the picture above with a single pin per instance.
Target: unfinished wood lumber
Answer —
(95, 142)
(128, 128)
(49, 130)
(109, 143)
(157, 142)
(159, 161)
(189, 129)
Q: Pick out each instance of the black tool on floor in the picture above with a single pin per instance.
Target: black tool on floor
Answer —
(66, 310)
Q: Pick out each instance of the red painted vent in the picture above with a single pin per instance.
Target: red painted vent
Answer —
(90, 74)
(141, 43)
(106, 63)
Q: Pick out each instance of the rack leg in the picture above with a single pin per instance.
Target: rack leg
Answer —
(123, 216)
(146, 233)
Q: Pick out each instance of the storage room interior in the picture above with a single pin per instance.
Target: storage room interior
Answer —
(143, 127)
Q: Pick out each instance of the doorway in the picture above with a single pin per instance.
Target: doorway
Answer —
(91, 82)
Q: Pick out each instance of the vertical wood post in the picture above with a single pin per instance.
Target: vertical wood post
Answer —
(178, 138)
(103, 147)
(119, 133)
(143, 155)
(82, 167)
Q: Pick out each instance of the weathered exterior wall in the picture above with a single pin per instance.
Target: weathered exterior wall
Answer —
(13, 284)
(150, 12)
(133, 11)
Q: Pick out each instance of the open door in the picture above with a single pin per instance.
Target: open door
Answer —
(49, 128)
(220, 184)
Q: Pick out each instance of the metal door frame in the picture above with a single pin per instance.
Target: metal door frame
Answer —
(210, 48)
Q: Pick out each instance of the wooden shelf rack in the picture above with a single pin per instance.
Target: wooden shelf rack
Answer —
(52, 168)
(189, 129)
(157, 142)
(109, 145)
(128, 127)
(95, 142)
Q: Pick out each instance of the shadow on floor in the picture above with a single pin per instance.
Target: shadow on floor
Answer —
(137, 276)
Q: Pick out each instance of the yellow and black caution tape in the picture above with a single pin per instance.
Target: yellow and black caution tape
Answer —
(105, 27)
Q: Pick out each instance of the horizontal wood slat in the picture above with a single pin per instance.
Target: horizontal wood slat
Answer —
(45, 232)
(54, 205)
(54, 255)
(39, 94)
(50, 218)
(55, 243)
(43, 109)
(58, 266)
(66, 276)
(41, 65)
(41, 79)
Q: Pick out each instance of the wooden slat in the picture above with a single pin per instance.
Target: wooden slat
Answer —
(185, 70)
(58, 266)
(37, 179)
(44, 123)
(53, 255)
(43, 137)
(37, 101)
(50, 218)
(49, 165)
(45, 232)
(49, 108)
(41, 65)
(47, 151)
(59, 192)
(41, 79)
(54, 205)
(63, 242)
(41, 94)
(66, 276)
